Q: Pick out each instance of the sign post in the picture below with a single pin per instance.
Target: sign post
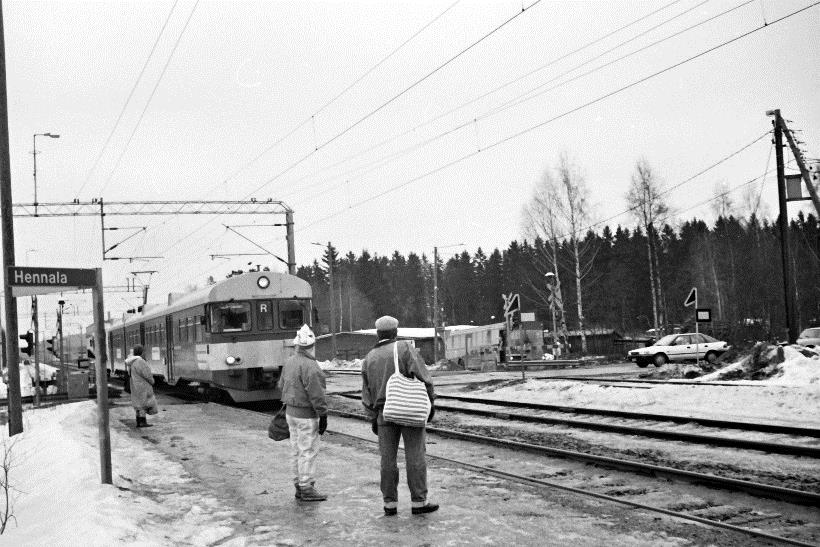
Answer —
(692, 300)
(25, 281)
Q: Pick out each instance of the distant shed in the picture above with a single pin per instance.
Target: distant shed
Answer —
(599, 342)
(356, 344)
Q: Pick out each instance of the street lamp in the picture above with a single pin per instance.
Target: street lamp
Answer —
(34, 153)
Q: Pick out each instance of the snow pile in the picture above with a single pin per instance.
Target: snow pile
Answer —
(772, 402)
(26, 385)
(57, 497)
(338, 364)
(789, 365)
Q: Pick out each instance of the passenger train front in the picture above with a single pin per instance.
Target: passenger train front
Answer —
(234, 335)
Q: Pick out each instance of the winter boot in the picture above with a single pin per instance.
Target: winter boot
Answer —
(298, 494)
(309, 493)
(428, 508)
(142, 421)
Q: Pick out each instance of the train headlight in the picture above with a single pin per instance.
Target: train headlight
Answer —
(263, 282)
(231, 360)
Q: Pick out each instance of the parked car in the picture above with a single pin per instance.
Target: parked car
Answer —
(679, 347)
(810, 338)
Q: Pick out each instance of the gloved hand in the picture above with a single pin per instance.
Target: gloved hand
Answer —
(432, 413)
(322, 425)
(374, 426)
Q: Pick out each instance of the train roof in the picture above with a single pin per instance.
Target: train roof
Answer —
(238, 287)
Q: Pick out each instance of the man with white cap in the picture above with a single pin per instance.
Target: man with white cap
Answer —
(377, 367)
(303, 392)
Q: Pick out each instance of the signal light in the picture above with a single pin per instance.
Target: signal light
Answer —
(50, 345)
(29, 338)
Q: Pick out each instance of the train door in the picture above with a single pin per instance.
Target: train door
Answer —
(169, 348)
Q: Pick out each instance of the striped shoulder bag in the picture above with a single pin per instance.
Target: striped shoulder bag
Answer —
(406, 401)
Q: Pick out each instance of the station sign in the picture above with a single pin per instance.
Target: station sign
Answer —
(27, 281)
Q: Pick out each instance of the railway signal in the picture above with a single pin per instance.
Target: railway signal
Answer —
(29, 339)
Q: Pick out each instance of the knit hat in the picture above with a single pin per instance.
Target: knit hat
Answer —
(387, 323)
(304, 337)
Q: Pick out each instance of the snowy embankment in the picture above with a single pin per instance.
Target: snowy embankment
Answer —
(791, 396)
(57, 497)
(337, 364)
(48, 373)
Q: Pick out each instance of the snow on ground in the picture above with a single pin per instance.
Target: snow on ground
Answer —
(801, 367)
(337, 364)
(790, 405)
(56, 471)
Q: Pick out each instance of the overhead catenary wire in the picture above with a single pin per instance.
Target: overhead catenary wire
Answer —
(148, 102)
(312, 117)
(392, 99)
(723, 44)
(370, 114)
(522, 98)
(561, 115)
(127, 102)
(352, 205)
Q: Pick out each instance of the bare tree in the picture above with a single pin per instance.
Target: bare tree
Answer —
(6, 464)
(562, 205)
(541, 221)
(723, 205)
(573, 207)
(649, 208)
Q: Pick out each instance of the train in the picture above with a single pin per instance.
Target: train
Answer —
(233, 336)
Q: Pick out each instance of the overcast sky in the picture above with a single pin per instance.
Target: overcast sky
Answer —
(241, 76)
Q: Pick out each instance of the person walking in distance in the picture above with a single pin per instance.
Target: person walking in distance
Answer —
(377, 367)
(141, 381)
(303, 392)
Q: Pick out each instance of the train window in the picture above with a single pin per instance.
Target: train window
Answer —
(230, 317)
(264, 315)
(198, 326)
(293, 313)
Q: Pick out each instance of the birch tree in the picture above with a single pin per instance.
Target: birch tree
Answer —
(651, 211)
(561, 204)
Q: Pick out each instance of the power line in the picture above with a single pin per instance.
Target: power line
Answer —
(127, 101)
(150, 98)
(559, 116)
(339, 94)
(394, 97)
(417, 82)
(521, 98)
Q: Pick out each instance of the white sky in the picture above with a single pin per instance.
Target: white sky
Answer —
(246, 73)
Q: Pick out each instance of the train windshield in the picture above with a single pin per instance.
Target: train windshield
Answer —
(231, 317)
(293, 313)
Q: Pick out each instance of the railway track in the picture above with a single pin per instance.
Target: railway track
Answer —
(540, 483)
(790, 495)
(698, 438)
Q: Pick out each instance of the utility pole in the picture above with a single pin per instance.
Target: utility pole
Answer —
(36, 324)
(63, 367)
(798, 158)
(12, 348)
(783, 221)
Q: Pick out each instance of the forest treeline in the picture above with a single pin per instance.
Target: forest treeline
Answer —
(735, 264)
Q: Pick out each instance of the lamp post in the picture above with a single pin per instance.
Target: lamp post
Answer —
(435, 298)
(34, 153)
(63, 368)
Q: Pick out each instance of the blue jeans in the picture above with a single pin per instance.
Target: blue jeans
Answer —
(414, 453)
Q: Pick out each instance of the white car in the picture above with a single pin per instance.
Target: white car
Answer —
(679, 347)
(810, 338)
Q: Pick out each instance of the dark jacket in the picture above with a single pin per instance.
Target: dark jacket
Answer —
(303, 386)
(378, 366)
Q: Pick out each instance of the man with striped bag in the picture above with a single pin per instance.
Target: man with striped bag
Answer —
(398, 357)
